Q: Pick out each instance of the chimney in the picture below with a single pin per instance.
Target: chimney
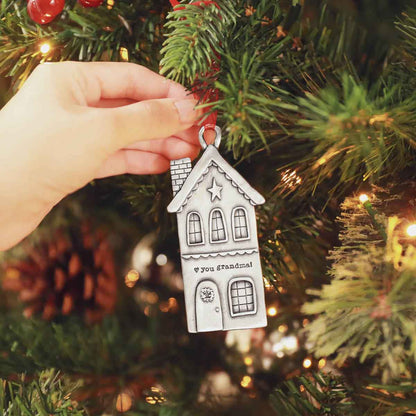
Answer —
(179, 171)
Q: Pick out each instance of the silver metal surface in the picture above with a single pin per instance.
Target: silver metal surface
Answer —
(217, 140)
(215, 208)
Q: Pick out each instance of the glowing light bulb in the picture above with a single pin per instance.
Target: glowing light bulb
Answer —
(307, 362)
(282, 328)
(161, 259)
(124, 54)
(155, 396)
(124, 402)
(272, 311)
(12, 273)
(45, 48)
(321, 363)
(164, 306)
(411, 230)
(363, 198)
(245, 381)
(151, 297)
(248, 361)
(290, 178)
(151, 400)
(131, 278)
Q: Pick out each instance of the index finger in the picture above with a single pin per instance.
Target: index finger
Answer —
(120, 80)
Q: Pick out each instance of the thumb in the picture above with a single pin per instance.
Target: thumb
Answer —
(147, 120)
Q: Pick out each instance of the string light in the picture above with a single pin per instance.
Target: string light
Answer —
(282, 328)
(288, 344)
(290, 178)
(12, 273)
(151, 400)
(171, 305)
(321, 363)
(363, 198)
(281, 289)
(131, 278)
(267, 362)
(152, 297)
(110, 4)
(146, 296)
(143, 256)
(155, 397)
(248, 361)
(272, 311)
(123, 402)
(161, 259)
(246, 381)
(45, 48)
(164, 306)
(411, 230)
(124, 54)
(307, 362)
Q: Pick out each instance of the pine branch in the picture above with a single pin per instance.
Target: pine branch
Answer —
(407, 27)
(128, 346)
(252, 101)
(367, 311)
(292, 251)
(390, 400)
(196, 35)
(46, 394)
(331, 395)
(148, 198)
(353, 134)
(78, 34)
(318, 394)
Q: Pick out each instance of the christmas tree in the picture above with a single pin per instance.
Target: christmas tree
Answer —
(317, 108)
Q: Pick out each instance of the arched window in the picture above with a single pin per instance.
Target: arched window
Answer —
(240, 224)
(218, 232)
(194, 229)
(241, 296)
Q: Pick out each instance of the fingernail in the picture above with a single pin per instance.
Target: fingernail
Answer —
(186, 110)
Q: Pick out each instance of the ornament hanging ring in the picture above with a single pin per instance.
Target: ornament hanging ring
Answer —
(217, 140)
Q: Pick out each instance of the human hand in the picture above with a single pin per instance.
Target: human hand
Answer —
(72, 122)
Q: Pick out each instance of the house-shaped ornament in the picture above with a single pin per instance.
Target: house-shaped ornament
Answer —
(217, 229)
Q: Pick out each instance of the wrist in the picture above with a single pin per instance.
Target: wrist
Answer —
(22, 203)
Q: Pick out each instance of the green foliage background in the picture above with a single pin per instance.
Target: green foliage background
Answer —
(317, 103)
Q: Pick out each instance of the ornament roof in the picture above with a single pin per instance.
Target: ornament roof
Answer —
(211, 157)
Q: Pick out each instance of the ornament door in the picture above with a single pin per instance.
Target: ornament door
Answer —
(208, 307)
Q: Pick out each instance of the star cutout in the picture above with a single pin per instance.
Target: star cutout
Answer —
(215, 190)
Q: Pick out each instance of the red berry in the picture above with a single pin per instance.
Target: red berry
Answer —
(44, 11)
(90, 3)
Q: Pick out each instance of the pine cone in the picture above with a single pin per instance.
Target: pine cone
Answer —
(73, 273)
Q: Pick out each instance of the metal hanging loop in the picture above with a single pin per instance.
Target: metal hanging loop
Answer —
(217, 140)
